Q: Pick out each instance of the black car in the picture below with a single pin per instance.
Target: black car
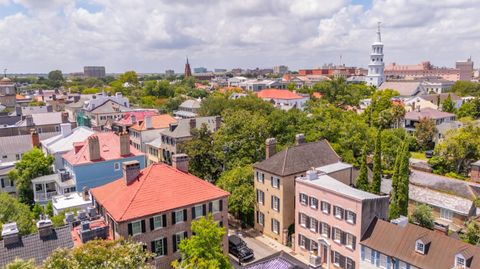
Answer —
(238, 248)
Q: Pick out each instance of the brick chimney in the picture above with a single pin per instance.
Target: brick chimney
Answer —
(180, 162)
(299, 139)
(93, 148)
(124, 143)
(193, 124)
(270, 147)
(131, 171)
(85, 194)
(475, 171)
(65, 117)
(35, 138)
(45, 228)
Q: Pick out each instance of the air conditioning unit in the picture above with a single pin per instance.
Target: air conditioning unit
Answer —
(315, 261)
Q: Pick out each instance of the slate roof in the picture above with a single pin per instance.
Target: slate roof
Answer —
(109, 106)
(399, 242)
(43, 119)
(20, 143)
(443, 96)
(428, 113)
(183, 126)
(61, 144)
(141, 198)
(299, 158)
(9, 120)
(34, 247)
(278, 260)
(403, 88)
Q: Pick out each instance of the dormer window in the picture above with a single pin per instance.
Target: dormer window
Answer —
(460, 261)
(420, 247)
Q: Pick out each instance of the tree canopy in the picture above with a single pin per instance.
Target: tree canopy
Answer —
(11, 210)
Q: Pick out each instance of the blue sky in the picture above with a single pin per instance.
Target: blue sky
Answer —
(155, 35)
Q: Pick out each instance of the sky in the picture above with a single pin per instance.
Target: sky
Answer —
(150, 36)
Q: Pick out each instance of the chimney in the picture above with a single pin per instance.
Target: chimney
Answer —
(270, 147)
(45, 228)
(312, 174)
(299, 139)
(180, 162)
(193, 124)
(10, 233)
(218, 122)
(131, 170)
(124, 143)
(65, 129)
(29, 120)
(35, 138)
(148, 122)
(93, 148)
(65, 117)
(85, 194)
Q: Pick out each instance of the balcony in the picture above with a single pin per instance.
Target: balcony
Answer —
(44, 196)
(315, 261)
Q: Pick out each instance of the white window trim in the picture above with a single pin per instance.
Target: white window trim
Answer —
(216, 210)
(346, 241)
(339, 241)
(303, 224)
(153, 250)
(312, 205)
(278, 226)
(277, 207)
(328, 205)
(176, 214)
(276, 186)
(197, 216)
(335, 212)
(161, 224)
(336, 264)
(313, 229)
(140, 224)
(301, 200)
(346, 211)
(459, 256)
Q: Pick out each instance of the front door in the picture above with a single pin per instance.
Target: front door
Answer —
(325, 254)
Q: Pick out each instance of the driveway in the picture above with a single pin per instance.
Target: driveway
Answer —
(260, 250)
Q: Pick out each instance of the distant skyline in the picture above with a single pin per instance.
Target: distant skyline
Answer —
(150, 36)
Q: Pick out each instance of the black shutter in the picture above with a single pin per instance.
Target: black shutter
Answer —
(204, 209)
(173, 218)
(353, 263)
(143, 226)
(308, 222)
(152, 226)
(185, 215)
(343, 238)
(354, 218)
(328, 208)
(354, 242)
(164, 220)
(3, 183)
(193, 213)
(210, 207)
(299, 239)
(271, 181)
(165, 252)
(185, 234)
(328, 230)
(307, 243)
(174, 242)
(152, 246)
(221, 204)
(341, 212)
(299, 218)
(342, 261)
(271, 201)
(130, 230)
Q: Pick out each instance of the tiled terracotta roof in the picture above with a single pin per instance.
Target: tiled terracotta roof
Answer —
(158, 122)
(139, 116)
(109, 150)
(159, 188)
(278, 94)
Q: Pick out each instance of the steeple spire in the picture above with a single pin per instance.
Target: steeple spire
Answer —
(379, 37)
(5, 72)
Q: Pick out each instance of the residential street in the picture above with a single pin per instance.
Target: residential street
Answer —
(260, 249)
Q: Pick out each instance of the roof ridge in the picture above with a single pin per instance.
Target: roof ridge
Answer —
(136, 192)
(285, 160)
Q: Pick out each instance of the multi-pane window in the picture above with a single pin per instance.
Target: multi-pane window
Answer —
(179, 216)
(260, 197)
(260, 177)
(420, 247)
(350, 216)
(313, 225)
(325, 229)
(275, 182)
(303, 199)
(260, 218)
(459, 261)
(159, 247)
(350, 240)
(336, 258)
(337, 235)
(136, 227)
(158, 221)
(338, 212)
(313, 202)
(275, 226)
(116, 166)
(303, 220)
(198, 211)
(325, 207)
(302, 241)
(350, 264)
(275, 203)
(446, 214)
(216, 206)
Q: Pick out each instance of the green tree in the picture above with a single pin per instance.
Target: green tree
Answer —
(101, 254)
(448, 105)
(400, 183)
(55, 78)
(90, 91)
(469, 109)
(11, 210)
(129, 77)
(422, 214)
(37, 210)
(379, 112)
(362, 179)
(239, 182)
(21, 264)
(466, 88)
(471, 234)
(34, 163)
(203, 250)
(377, 165)
(203, 162)
(36, 103)
(425, 132)
(49, 209)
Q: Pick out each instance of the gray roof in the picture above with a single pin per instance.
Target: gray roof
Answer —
(428, 113)
(109, 106)
(403, 88)
(62, 144)
(5, 167)
(44, 119)
(9, 120)
(192, 104)
(183, 126)
(444, 127)
(442, 96)
(20, 143)
(329, 183)
(157, 142)
(334, 167)
(299, 158)
(279, 260)
(46, 179)
(34, 247)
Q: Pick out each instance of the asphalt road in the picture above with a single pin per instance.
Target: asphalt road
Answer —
(260, 249)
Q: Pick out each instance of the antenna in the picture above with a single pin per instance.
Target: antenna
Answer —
(5, 72)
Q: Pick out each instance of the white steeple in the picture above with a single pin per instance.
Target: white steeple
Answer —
(376, 67)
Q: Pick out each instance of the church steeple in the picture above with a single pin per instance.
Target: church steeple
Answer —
(376, 67)
(379, 36)
(188, 70)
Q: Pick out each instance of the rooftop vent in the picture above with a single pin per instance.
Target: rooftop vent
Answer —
(10, 233)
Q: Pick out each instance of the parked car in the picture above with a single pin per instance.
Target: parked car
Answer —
(238, 248)
(429, 153)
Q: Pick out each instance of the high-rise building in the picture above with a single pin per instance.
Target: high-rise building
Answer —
(465, 69)
(169, 73)
(198, 70)
(280, 69)
(188, 70)
(94, 71)
(376, 75)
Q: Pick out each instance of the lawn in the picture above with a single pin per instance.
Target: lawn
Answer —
(418, 155)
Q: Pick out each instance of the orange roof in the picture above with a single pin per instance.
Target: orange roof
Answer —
(317, 95)
(109, 150)
(19, 97)
(159, 188)
(278, 94)
(158, 122)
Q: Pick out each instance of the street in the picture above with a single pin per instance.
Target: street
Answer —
(260, 249)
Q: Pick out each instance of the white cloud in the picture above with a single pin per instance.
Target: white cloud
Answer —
(151, 36)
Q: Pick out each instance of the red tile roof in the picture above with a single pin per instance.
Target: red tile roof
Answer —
(139, 116)
(159, 188)
(109, 150)
(158, 122)
(278, 94)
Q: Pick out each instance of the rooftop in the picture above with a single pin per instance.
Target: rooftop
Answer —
(397, 241)
(278, 94)
(278, 260)
(191, 104)
(183, 126)
(109, 150)
(127, 119)
(61, 144)
(299, 158)
(434, 98)
(428, 113)
(403, 88)
(334, 167)
(140, 198)
(158, 122)
(43, 119)
(20, 143)
(69, 200)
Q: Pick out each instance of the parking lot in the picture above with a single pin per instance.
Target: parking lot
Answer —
(260, 249)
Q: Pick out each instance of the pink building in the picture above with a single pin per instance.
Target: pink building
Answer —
(332, 217)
